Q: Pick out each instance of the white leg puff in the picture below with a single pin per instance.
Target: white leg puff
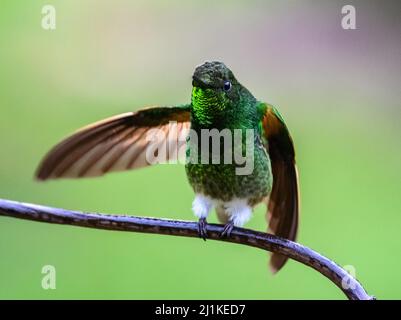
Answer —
(202, 205)
(239, 211)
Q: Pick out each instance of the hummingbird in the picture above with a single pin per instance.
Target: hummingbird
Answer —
(218, 101)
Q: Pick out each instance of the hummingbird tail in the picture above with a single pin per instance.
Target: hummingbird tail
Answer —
(283, 208)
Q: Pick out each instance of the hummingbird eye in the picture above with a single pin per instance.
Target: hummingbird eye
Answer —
(227, 86)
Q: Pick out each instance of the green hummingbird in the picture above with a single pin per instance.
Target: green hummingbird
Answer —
(220, 103)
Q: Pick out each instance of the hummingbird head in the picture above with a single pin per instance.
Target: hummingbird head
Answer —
(215, 91)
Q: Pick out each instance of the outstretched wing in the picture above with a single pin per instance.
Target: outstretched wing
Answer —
(117, 143)
(283, 207)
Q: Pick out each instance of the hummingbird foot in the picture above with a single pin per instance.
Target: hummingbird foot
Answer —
(202, 224)
(227, 230)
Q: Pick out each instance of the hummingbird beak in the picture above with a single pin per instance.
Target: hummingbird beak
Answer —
(197, 82)
(203, 80)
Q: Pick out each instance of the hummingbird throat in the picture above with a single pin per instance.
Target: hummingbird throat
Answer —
(207, 105)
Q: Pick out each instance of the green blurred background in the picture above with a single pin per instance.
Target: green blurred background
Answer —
(339, 91)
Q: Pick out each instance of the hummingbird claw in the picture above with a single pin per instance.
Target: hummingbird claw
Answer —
(227, 230)
(202, 223)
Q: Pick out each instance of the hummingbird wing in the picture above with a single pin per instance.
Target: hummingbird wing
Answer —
(117, 143)
(283, 206)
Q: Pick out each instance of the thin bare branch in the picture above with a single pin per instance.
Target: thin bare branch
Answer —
(350, 286)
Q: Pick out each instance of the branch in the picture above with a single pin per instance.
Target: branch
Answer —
(353, 289)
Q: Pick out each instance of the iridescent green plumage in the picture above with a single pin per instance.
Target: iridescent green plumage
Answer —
(274, 171)
(213, 107)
